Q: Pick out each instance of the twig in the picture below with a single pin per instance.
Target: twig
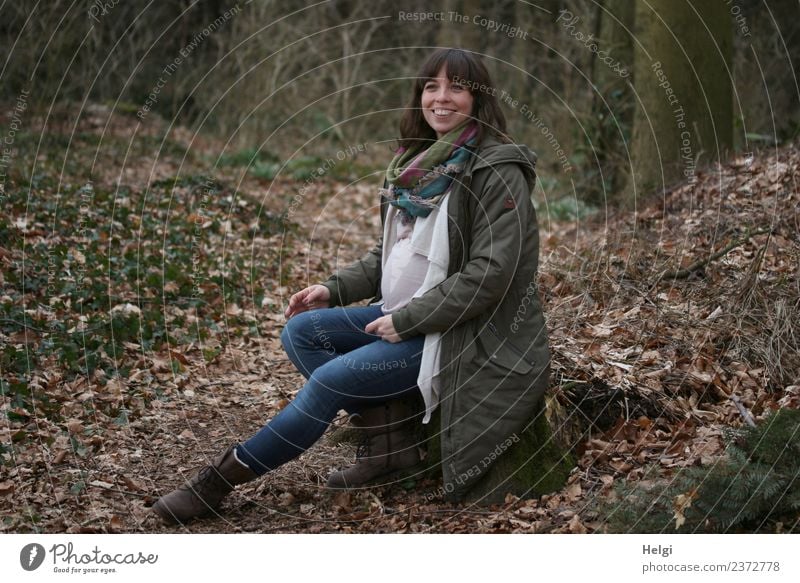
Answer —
(571, 384)
(89, 521)
(748, 418)
(228, 382)
(53, 331)
(217, 384)
(120, 491)
(684, 273)
(23, 324)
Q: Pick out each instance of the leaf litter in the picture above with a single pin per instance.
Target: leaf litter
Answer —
(666, 326)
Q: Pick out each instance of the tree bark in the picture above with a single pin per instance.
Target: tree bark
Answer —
(457, 31)
(613, 98)
(684, 112)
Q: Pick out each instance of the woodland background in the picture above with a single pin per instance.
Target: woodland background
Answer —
(170, 172)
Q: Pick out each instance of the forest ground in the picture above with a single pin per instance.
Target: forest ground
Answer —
(141, 316)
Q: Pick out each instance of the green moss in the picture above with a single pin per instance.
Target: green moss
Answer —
(533, 466)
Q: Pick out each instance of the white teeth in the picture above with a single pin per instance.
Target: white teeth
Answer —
(442, 112)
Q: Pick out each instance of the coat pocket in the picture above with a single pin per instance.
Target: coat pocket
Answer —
(501, 351)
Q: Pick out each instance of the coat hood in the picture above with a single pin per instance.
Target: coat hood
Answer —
(493, 152)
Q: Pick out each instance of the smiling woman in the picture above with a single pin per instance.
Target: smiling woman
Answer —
(457, 256)
(445, 104)
(458, 73)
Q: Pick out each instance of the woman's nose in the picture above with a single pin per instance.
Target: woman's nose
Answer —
(443, 95)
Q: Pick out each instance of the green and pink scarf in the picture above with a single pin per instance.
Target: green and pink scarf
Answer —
(418, 180)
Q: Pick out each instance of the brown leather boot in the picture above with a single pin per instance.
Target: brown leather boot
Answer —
(390, 444)
(204, 492)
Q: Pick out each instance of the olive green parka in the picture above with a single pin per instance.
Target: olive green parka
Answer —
(495, 357)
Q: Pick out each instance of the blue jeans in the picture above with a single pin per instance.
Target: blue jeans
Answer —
(345, 368)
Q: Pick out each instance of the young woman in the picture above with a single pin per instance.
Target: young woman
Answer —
(455, 318)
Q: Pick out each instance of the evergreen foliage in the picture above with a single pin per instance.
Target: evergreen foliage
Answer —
(756, 485)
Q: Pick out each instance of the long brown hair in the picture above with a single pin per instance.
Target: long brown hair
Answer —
(469, 69)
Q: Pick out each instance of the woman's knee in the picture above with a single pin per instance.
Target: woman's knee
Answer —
(296, 330)
(286, 334)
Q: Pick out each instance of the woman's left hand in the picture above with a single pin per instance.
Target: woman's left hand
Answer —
(383, 327)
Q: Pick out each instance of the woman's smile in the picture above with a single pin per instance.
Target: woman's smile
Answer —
(445, 103)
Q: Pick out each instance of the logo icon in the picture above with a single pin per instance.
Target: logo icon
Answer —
(31, 556)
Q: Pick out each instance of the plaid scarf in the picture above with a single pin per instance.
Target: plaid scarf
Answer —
(418, 180)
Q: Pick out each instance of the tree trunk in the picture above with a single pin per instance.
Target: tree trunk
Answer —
(684, 112)
(533, 466)
(457, 30)
(612, 105)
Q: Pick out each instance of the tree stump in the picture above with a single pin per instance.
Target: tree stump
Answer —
(539, 463)
(535, 465)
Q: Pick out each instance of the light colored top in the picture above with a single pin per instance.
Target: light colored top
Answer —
(404, 270)
(429, 239)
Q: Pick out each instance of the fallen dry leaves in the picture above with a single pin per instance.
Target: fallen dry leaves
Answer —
(649, 368)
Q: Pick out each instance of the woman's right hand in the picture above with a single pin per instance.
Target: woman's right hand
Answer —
(312, 298)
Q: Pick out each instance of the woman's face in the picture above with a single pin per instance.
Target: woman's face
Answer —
(445, 104)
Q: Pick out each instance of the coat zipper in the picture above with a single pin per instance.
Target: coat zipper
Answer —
(463, 186)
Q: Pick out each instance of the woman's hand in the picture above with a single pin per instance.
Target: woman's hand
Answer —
(383, 327)
(312, 298)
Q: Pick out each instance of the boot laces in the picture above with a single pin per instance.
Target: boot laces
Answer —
(207, 481)
(363, 449)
